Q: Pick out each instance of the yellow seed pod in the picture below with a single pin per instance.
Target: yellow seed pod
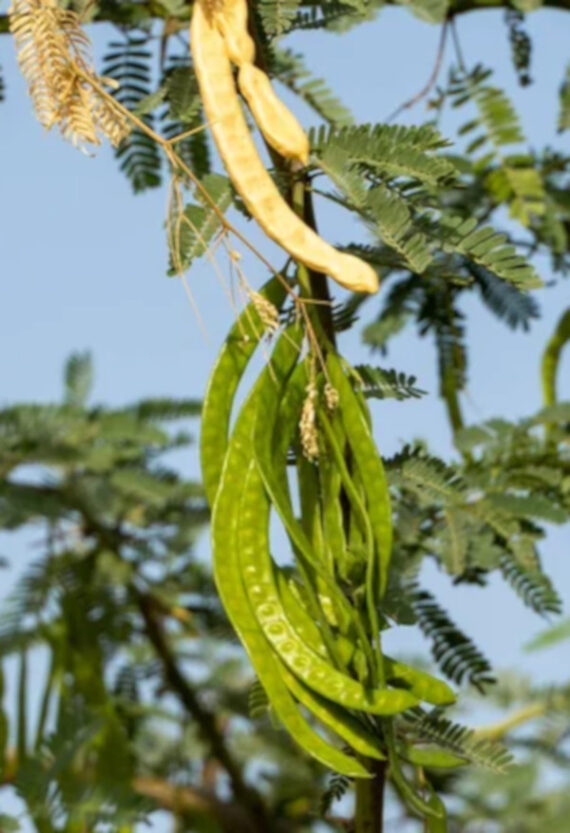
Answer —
(277, 123)
(246, 170)
(231, 22)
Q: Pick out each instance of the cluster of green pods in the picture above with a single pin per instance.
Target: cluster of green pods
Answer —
(311, 618)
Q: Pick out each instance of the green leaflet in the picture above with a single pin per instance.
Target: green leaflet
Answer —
(277, 16)
(129, 64)
(190, 232)
(489, 249)
(430, 757)
(455, 653)
(549, 637)
(230, 365)
(393, 149)
(378, 383)
(411, 798)
(461, 741)
(436, 825)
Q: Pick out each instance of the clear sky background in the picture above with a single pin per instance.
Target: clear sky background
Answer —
(83, 266)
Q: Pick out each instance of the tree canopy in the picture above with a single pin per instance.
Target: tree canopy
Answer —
(149, 701)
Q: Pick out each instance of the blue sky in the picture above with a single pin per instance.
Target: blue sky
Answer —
(83, 267)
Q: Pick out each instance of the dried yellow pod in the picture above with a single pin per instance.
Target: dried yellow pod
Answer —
(277, 123)
(246, 170)
(231, 22)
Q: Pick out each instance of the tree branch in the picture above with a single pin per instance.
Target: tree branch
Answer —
(135, 14)
(233, 817)
(206, 721)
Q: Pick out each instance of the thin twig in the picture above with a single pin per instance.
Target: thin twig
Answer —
(426, 89)
(496, 731)
(457, 46)
(178, 163)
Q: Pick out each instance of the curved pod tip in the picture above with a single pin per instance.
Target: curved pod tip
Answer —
(354, 274)
(277, 123)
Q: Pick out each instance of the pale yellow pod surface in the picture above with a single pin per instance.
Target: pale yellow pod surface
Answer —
(231, 21)
(277, 123)
(246, 170)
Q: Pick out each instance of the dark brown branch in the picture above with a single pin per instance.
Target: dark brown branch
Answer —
(233, 817)
(206, 721)
(135, 14)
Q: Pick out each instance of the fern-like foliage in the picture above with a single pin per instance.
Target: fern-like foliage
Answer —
(489, 513)
(258, 702)
(345, 314)
(498, 119)
(514, 180)
(489, 249)
(385, 211)
(277, 16)
(337, 787)
(439, 313)
(533, 586)
(390, 150)
(401, 304)
(183, 116)
(393, 222)
(521, 45)
(387, 175)
(378, 383)
(337, 16)
(462, 741)
(504, 299)
(191, 231)
(165, 410)
(128, 63)
(455, 653)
